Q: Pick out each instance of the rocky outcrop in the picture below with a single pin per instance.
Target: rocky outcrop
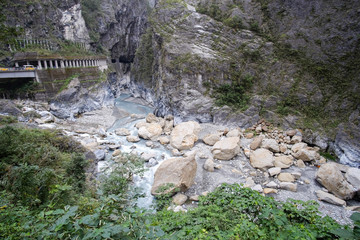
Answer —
(174, 175)
(347, 141)
(184, 135)
(76, 100)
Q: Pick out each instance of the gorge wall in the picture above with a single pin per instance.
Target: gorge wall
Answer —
(231, 62)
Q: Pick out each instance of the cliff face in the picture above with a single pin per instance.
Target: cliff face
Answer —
(47, 19)
(292, 63)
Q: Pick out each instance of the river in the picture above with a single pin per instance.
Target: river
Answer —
(145, 181)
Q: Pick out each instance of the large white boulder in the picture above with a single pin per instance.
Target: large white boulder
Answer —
(330, 176)
(226, 148)
(150, 131)
(184, 135)
(174, 175)
(262, 159)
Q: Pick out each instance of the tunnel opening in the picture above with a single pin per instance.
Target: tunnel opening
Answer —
(12, 88)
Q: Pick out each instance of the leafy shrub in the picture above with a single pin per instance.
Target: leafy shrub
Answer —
(348, 234)
(39, 166)
(233, 212)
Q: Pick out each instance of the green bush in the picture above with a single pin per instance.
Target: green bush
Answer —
(40, 167)
(233, 212)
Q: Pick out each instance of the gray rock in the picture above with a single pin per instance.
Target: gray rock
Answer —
(133, 139)
(256, 143)
(99, 154)
(288, 186)
(211, 139)
(122, 132)
(179, 199)
(274, 171)
(327, 197)
(353, 177)
(347, 145)
(209, 165)
(270, 144)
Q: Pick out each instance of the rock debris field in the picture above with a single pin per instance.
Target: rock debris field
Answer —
(272, 161)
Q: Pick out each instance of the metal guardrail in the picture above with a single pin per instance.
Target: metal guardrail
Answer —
(16, 69)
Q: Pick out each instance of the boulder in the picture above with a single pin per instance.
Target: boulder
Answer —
(257, 188)
(283, 161)
(99, 154)
(209, 165)
(298, 146)
(262, 159)
(122, 132)
(179, 199)
(169, 125)
(148, 155)
(184, 135)
(288, 186)
(272, 184)
(283, 148)
(140, 124)
(174, 175)
(116, 153)
(164, 140)
(249, 135)
(300, 164)
(226, 149)
(307, 155)
(211, 139)
(255, 144)
(270, 190)
(291, 132)
(274, 171)
(233, 133)
(327, 197)
(286, 177)
(151, 118)
(150, 131)
(353, 177)
(330, 176)
(270, 144)
(133, 139)
(296, 139)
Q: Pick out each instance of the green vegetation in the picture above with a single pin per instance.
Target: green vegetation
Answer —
(233, 212)
(91, 10)
(5, 120)
(349, 234)
(39, 167)
(7, 34)
(213, 10)
(234, 95)
(67, 81)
